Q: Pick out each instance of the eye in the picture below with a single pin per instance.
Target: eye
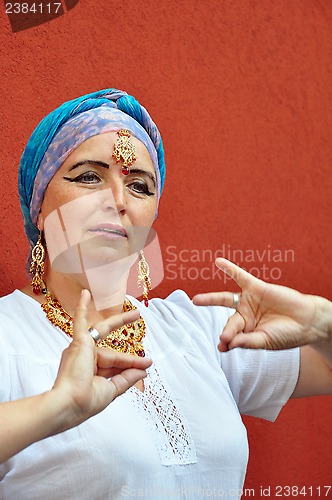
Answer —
(85, 178)
(140, 187)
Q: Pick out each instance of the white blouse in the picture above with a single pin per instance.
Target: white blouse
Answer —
(182, 438)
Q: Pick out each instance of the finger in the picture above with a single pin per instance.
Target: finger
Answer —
(233, 327)
(253, 340)
(113, 322)
(239, 275)
(123, 381)
(107, 358)
(80, 325)
(214, 299)
(109, 373)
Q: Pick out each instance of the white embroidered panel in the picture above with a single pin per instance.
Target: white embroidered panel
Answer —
(172, 435)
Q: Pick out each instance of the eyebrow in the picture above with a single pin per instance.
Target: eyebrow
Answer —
(84, 162)
(106, 165)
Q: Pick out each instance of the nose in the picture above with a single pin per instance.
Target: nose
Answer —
(114, 199)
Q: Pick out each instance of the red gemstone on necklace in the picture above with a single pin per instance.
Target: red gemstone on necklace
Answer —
(115, 343)
(146, 302)
(141, 354)
(125, 170)
(36, 290)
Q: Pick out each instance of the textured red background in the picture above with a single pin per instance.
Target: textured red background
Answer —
(242, 94)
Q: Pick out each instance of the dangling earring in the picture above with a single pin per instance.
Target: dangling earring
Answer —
(144, 278)
(37, 267)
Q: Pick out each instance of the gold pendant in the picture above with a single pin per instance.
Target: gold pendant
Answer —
(124, 150)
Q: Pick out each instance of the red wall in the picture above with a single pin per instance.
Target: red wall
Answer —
(242, 94)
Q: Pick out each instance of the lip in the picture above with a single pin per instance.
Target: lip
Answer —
(109, 230)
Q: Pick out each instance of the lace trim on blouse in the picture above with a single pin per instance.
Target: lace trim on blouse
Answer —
(172, 435)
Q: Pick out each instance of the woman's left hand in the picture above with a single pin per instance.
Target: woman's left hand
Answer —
(267, 316)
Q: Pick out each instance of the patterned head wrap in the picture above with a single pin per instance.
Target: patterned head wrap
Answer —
(65, 128)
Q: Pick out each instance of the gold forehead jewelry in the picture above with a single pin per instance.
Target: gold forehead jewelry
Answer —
(124, 150)
(127, 338)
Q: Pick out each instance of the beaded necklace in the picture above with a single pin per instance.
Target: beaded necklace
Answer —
(127, 338)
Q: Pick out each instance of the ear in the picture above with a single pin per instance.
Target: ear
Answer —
(40, 221)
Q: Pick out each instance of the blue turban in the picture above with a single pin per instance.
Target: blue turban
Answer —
(43, 136)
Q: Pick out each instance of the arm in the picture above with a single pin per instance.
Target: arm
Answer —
(81, 389)
(275, 317)
(315, 376)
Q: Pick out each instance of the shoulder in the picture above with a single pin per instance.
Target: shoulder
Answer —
(180, 301)
(10, 298)
(17, 306)
(179, 306)
(12, 304)
(15, 313)
(23, 326)
(182, 321)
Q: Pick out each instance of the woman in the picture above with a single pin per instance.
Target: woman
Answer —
(90, 181)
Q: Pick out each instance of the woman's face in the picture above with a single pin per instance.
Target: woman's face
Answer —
(90, 203)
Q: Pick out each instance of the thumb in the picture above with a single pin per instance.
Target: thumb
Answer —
(80, 323)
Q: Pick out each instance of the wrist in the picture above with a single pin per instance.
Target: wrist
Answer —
(323, 325)
(64, 415)
(323, 317)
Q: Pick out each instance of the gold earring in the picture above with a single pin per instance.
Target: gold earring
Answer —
(144, 278)
(37, 267)
(124, 150)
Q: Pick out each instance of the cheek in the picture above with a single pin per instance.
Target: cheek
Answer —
(144, 214)
(54, 198)
(60, 195)
(65, 212)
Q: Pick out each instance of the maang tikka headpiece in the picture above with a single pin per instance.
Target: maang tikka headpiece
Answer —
(124, 150)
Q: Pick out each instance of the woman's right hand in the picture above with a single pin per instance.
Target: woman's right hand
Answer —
(82, 387)
(83, 382)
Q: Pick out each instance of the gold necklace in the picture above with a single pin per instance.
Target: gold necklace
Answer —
(127, 338)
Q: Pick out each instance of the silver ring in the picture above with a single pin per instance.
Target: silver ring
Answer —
(236, 300)
(94, 334)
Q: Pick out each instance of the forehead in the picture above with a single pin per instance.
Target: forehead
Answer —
(100, 147)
